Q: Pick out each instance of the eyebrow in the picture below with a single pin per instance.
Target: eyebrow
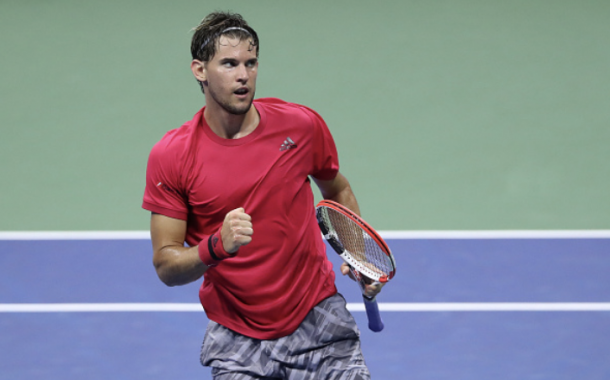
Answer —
(227, 59)
(234, 60)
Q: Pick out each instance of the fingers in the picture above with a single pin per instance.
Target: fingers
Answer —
(236, 230)
(345, 270)
(369, 287)
(371, 290)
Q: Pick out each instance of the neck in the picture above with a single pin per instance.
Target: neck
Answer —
(228, 125)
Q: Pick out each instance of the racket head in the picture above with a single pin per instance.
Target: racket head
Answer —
(355, 241)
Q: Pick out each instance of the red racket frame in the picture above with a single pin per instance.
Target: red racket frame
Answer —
(367, 228)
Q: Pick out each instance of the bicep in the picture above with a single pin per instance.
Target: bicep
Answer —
(339, 190)
(166, 232)
(330, 188)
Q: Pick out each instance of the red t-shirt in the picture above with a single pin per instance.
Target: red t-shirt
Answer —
(268, 288)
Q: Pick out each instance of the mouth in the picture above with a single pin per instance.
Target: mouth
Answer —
(242, 91)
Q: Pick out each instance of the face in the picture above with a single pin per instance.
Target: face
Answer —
(230, 76)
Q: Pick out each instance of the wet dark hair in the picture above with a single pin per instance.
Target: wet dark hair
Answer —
(216, 24)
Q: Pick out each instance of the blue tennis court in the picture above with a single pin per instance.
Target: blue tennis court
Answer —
(458, 308)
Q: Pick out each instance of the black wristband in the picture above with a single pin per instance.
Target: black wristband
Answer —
(211, 247)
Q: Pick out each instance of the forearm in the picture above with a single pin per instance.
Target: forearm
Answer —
(177, 265)
(347, 198)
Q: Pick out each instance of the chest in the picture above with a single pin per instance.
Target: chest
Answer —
(265, 172)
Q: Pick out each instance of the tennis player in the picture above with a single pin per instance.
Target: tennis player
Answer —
(231, 201)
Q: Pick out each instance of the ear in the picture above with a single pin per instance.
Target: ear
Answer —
(199, 70)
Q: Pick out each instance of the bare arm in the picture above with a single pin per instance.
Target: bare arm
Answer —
(175, 263)
(339, 190)
(180, 265)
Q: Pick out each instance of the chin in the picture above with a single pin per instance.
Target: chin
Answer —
(239, 109)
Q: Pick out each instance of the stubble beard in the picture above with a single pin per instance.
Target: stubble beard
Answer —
(233, 109)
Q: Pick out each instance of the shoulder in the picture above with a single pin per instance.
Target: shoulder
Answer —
(177, 141)
(275, 107)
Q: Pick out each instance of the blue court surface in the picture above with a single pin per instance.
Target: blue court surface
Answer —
(459, 308)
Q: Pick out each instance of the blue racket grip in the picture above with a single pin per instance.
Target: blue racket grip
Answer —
(372, 312)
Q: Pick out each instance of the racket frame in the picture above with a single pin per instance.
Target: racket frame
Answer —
(345, 254)
(358, 270)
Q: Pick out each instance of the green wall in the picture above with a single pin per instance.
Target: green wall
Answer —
(450, 114)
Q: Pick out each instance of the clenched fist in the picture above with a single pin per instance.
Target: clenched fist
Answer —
(236, 230)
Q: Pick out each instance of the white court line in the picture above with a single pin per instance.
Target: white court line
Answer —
(355, 307)
(495, 306)
(498, 234)
(74, 235)
(489, 234)
(96, 307)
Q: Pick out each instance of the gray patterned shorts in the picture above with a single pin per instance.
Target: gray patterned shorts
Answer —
(325, 346)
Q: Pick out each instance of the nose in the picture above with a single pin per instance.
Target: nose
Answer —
(242, 74)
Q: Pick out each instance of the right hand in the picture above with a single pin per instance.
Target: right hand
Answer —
(236, 230)
(369, 287)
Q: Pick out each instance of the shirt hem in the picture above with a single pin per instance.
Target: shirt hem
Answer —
(270, 333)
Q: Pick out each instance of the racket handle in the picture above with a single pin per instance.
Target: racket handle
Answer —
(372, 312)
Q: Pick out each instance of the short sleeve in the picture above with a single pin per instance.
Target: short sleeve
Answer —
(325, 157)
(163, 193)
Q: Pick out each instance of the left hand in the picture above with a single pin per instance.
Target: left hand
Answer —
(371, 288)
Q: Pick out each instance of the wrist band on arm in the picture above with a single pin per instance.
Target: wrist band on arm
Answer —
(211, 251)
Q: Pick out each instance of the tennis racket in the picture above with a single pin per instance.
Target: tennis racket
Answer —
(360, 246)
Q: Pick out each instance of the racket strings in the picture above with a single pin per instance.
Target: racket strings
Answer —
(360, 245)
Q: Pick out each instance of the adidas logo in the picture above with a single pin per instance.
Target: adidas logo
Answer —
(288, 144)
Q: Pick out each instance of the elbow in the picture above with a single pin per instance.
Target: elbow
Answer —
(168, 281)
(170, 277)
(173, 269)
(164, 275)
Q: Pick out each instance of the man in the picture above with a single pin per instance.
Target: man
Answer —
(233, 184)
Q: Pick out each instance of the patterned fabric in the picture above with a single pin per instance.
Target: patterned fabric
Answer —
(325, 346)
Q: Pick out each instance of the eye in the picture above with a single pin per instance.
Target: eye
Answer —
(228, 63)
